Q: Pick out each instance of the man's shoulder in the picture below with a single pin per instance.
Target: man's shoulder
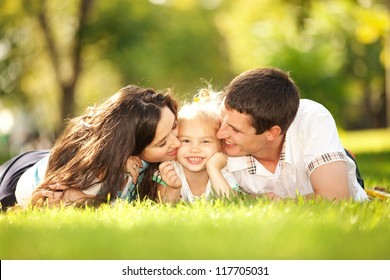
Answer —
(310, 112)
(307, 105)
(235, 164)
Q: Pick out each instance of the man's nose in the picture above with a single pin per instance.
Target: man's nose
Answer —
(223, 131)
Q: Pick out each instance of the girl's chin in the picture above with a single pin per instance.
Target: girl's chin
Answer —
(196, 169)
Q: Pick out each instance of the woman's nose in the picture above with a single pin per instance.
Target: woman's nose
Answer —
(175, 141)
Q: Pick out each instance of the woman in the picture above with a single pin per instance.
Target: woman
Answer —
(98, 155)
(11, 171)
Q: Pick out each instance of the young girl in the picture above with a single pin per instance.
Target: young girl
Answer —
(199, 169)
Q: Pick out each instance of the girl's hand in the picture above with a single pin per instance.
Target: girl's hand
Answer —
(169, 175)
(133, 165)
(217, 161)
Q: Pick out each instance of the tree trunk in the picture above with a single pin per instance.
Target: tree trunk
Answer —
(67, 86)
(387, 71)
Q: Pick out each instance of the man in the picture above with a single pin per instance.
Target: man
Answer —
(281, 146)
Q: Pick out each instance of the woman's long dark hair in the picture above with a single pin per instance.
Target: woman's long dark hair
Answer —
(94, 148)
(147, 187)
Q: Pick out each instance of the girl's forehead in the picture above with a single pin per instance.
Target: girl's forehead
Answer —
(198, 127)
(194, 123)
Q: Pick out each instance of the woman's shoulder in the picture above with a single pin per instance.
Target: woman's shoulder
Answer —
(35, 174)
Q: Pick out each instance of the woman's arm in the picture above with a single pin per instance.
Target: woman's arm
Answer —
(133, 165)
(59, 195)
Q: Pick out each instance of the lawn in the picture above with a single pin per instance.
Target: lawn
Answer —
(240, 229)
(372, 151)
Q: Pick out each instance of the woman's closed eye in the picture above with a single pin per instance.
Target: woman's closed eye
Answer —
(162, 144)
(174, 125)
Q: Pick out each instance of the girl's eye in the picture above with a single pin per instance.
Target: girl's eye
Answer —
(185, 141)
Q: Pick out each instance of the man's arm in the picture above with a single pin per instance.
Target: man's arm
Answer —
(330, 181)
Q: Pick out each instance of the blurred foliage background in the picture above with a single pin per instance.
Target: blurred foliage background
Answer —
(58, 57)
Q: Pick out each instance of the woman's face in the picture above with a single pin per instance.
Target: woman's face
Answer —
(165, 144)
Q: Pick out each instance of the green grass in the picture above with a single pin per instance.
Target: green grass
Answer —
(372, 151)
(366, 141)
(246, 229)
(242, 228)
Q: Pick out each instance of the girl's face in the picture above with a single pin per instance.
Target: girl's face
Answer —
(198, 144)
(165, 144)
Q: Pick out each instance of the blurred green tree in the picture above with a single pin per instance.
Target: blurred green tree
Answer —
(58, 57)
(45, 38)
(77, 51)
(170, 44)
(332, 49)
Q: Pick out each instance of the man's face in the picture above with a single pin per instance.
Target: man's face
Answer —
(239, 135)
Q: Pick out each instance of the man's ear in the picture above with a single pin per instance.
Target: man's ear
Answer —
(273, 133)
